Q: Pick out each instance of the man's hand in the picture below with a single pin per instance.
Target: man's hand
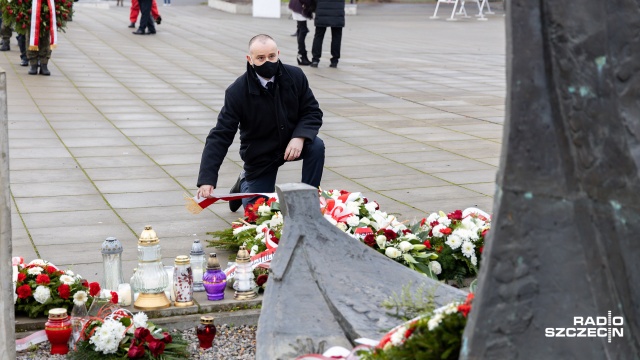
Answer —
(294, 149)
(205, 190)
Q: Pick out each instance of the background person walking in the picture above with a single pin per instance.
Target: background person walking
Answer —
(329, 13)
(301, 11)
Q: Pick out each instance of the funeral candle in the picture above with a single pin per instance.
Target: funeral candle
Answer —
(124, 294)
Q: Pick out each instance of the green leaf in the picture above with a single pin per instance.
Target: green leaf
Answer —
(473, 286)
(408, 258)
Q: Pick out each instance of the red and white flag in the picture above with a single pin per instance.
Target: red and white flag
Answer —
(196, 204)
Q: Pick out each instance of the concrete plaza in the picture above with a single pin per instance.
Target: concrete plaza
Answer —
(112, 140)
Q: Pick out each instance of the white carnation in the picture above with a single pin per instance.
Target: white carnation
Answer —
(42, 294)
(264, 210)
(66, 279)
(435, 267)
(35, 270)
(140, 320)
(353, 221)
(444, 220)
(453, 241)
(405, 246)
(467, 249)
(433, 217)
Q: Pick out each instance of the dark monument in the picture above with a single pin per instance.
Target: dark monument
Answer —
(565, 236)
(325, 287)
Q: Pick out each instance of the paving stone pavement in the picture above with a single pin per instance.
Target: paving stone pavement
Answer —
(112, 139)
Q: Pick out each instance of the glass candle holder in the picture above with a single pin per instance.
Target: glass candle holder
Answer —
(245, 287)
(215, 280)
(182, 281)
(150, 279)
(112, 263)
(206, 332)
(58, 329)
(197, 265)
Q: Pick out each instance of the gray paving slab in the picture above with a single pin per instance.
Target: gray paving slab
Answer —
(111, 141)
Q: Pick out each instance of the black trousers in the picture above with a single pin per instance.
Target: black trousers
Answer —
(303, 30)
(145, 18)
(336, 40)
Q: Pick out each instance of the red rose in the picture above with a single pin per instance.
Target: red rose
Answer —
(456, 215)
(370, 240)
(446, 231)
(166, 337)
(427, 244)
(21, 277)
(136, 352)
(406, 231)
(262, 279)
(141, 333)
(114, 297)
(94, 289)
(390, 234)
(23, 291)
(156, 347)
(43, 279)
(64, 291)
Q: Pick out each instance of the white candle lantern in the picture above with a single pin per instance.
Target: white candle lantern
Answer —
(112, 263)
(197, 265)
(244, 285)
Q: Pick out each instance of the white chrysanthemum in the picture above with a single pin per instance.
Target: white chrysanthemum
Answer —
(405, 246)
(436, 230)
(276, 220)
(107, 337)
(264, 210)
(397, 338)
(453, 241)
(80, 297)
(342, 226)
(435, 267)
(381, 240)
(474, 260)
(433, 217)
(240, 229)
(42, 294)
(330, 219)
(140, 320)
(467, 249)
(392, 252)
(434, 321)
(35, 271)
(450, 308)
(353, 221)
(465, 234)
(69, 272)
(66, 279)
(444, 220)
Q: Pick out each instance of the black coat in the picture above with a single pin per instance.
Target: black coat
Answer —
(329, 13)
(267, 122)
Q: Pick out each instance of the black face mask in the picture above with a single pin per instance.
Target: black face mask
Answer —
(267, 70)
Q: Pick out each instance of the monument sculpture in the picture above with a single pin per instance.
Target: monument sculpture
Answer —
(325, 287)
(563, 249)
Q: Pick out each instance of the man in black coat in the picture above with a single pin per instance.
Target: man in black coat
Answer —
(279, 119)
(329, 13)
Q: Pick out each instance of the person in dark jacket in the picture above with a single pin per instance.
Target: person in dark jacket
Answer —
(301, 11)
(329, 13)
(279, 119)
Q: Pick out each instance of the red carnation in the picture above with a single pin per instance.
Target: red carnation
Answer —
(156, 347)
(23, 291)
(94, 289)
(85, 283)
(446, 231)
(427, 244)
(43, 279)
(262, 279)
(464, 309)
(114, 297)
(434, 223)
(166, 337)
(21, 277)
(64, 291)
(370, 240)
(456, 215)
(136, 352)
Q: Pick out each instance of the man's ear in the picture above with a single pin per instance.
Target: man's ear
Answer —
(249, 59)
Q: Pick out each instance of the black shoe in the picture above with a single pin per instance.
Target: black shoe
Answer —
(151, 32)
(132, 25)
(303, 60)
(33, 70)
(138, 32)
(314, 64)
(159, 20)
(24, 62)
(333, 65)
(234, 205)
(44, 70)
(5, 46)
